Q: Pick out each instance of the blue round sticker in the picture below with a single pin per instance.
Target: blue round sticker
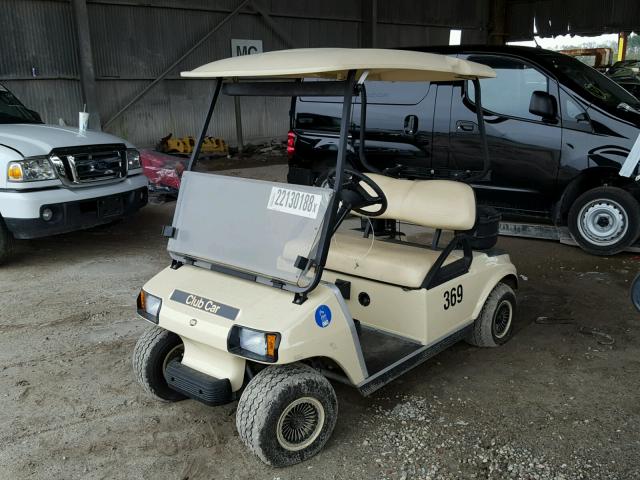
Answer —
(323, 316)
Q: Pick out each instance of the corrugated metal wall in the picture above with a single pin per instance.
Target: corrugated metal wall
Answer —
(134, 42)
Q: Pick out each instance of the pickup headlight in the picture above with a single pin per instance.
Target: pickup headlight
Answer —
(253, 344)
(149, 306)
(133, 159)
(31, 170)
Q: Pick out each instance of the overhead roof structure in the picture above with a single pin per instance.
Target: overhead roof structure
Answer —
(335, 63)
(575, 17)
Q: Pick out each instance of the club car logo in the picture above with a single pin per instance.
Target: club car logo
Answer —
(205, 304)
(323, 316)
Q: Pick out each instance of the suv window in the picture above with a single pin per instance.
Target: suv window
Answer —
(510, 92)
(384, 93)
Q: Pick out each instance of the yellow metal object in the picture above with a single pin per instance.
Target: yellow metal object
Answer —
(214, 145)
(15, 172)
(622, 46)
(185, 145)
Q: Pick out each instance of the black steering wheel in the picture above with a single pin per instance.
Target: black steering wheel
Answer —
(354, 196)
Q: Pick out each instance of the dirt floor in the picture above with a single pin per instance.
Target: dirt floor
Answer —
(555, 402)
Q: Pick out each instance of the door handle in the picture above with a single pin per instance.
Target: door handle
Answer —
(410, 124)
(466, 126)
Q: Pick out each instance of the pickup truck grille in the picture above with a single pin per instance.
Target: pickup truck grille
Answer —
(91, 164)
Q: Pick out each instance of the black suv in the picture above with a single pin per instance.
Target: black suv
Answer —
(558, 133)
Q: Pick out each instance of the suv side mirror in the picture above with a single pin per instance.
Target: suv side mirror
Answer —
(543, 105)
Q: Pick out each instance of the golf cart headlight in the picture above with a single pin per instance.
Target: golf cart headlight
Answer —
(254, 344)
(30, 170)
(133, 159)
(149, 306)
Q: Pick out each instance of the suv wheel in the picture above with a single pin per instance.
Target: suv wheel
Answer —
(605, 220)
(6, 242)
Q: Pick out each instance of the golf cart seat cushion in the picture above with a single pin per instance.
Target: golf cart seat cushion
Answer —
(443, 204)
(395, 263)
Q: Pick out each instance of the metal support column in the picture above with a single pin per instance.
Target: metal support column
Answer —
(374, 23)
(85, 57)
(369, 25)
(497, 22)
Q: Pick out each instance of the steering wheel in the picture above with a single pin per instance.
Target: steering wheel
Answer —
(355, 196)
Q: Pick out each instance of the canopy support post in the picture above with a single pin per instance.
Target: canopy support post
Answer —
(203, 133)
(483, 134)
(329, 226)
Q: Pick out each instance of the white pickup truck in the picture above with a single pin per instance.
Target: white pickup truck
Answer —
(56, 180)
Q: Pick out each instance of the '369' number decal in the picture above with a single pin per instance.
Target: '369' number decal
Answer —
(452, 297)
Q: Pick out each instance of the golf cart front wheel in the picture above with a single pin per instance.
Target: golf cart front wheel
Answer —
(494, 325)
(286, 414)
(155, 348)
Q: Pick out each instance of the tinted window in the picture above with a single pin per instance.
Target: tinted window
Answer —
(12, 111)
(590, 83)
(510, 92)
(573, 114)
(384, 93)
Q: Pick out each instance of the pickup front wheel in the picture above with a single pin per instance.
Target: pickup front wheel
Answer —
(605, 220)
(6, 242)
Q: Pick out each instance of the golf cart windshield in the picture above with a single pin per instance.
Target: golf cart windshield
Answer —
(258, 227)
(277, 233)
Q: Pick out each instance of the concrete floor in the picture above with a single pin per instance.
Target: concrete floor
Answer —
(552, 403)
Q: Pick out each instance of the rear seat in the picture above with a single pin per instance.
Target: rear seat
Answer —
(384, 261)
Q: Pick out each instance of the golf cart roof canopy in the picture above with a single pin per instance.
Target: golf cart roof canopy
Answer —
(335, 63)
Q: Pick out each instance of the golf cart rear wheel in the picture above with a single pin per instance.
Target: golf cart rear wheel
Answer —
(6, 242)
(286, 414)
(155, 348)
(494, 325)
(605, 220)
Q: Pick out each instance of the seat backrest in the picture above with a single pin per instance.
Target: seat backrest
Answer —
(443, 204)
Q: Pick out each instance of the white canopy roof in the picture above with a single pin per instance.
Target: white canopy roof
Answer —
(334, 63)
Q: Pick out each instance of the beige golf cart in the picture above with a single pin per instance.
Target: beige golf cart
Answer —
(265, 299)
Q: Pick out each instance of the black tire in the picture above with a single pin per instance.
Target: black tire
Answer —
(274, 401)
(605, 220)
(155, 347)
(494, 325)
(6, 242)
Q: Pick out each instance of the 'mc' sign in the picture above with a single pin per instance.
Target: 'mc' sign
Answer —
(241, 47)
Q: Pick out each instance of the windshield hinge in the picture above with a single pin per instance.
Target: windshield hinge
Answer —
(301, 262)
(299, 298)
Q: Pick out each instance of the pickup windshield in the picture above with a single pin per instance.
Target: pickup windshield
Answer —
(595, 87)
(13, 111)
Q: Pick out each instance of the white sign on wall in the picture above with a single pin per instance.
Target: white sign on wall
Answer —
(240, 47)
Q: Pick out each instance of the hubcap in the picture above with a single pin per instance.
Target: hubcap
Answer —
(300, 424)
(175, 352)
(603, 222)
(502, 319)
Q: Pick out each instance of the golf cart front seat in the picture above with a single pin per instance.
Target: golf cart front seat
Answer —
(438, 204)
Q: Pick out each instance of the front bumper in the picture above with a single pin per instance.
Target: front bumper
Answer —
(78, 215)
(197, 385)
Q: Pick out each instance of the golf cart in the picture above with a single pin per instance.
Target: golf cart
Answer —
(264, 299)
